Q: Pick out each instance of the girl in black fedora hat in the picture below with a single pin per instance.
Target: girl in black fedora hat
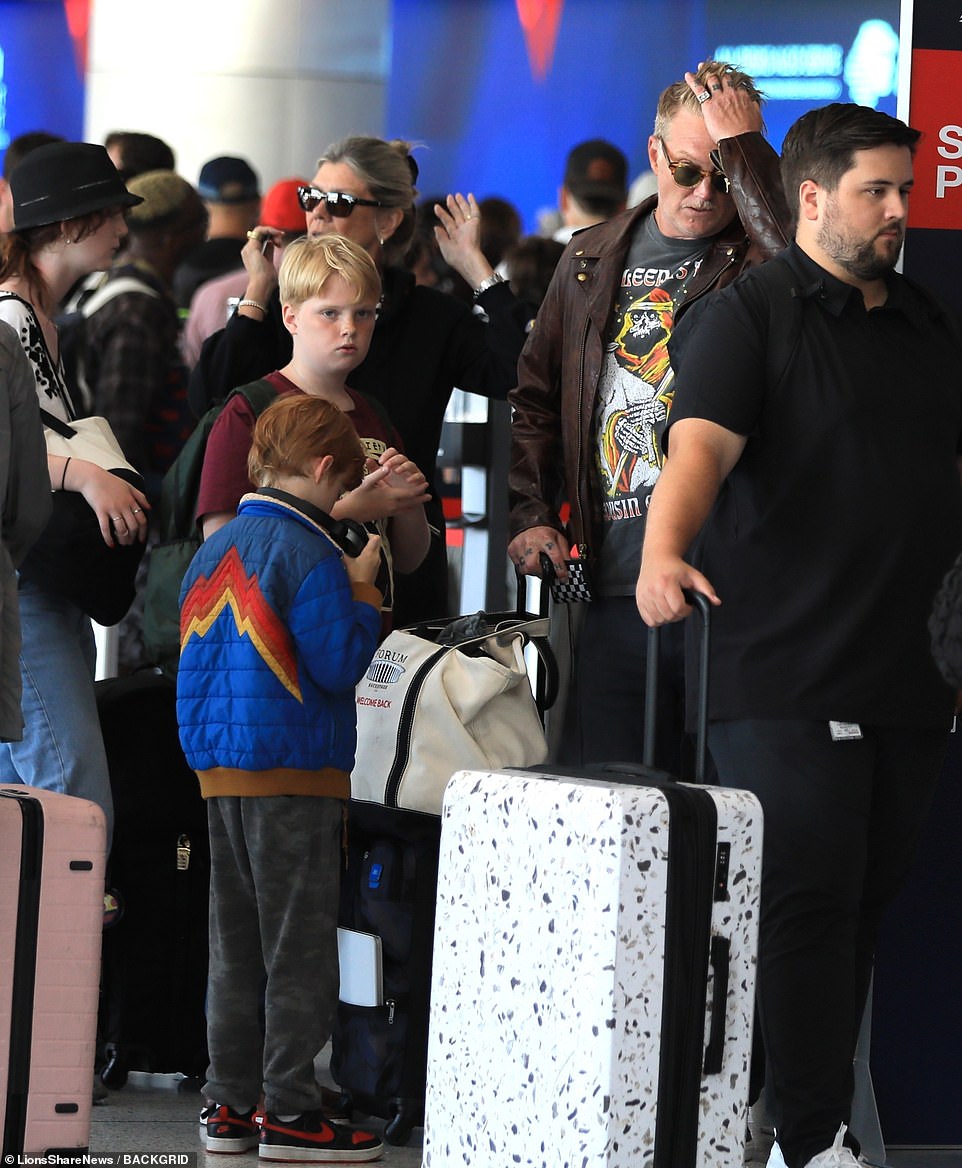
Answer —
(68, 211)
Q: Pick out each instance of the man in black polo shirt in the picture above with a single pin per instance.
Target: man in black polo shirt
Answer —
(816, 427)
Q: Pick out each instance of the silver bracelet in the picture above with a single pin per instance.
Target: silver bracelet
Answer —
(252, 304)
(494, 278)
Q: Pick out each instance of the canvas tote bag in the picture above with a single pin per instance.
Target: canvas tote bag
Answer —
(446, 696)
(70, 558)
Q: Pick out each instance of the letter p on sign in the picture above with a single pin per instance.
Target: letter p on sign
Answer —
(945, 177)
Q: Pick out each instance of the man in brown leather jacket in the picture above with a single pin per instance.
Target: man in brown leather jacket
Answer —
(595, 386)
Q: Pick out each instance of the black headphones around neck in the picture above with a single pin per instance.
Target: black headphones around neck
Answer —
(349, 535)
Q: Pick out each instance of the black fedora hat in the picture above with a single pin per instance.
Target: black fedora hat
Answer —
(64, 180)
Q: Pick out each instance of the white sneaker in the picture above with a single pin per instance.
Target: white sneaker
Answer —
(758, 1149)
(837, 1156)
(776, 1159)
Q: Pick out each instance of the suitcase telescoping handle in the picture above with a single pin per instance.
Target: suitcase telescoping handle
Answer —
(547, 679)
(703, 604)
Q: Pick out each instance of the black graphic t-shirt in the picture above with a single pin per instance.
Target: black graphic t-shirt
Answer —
(634, 393)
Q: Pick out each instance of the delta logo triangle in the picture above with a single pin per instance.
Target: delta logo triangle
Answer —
(540, 20)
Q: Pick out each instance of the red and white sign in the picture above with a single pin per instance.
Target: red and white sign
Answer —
(935, 108)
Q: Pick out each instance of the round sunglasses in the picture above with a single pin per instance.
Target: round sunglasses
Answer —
(339, 203)
(686, 174)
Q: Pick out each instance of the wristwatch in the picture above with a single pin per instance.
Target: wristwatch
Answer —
(494, 278)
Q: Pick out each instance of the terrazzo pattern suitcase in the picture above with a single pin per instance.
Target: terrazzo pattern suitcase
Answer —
(594, 972)
(51, 910)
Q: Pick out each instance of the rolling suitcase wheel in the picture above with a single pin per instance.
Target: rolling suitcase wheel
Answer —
(113, 1073)
(343, 1106)
(397, 1131)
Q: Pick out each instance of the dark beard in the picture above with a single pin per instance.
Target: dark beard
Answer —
(861, 261)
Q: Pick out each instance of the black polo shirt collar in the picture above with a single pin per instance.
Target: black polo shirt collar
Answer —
(834, 295)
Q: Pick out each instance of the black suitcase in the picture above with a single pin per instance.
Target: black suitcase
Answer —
(389, 888)
(154, 980)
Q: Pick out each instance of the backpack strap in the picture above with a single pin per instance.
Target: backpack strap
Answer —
(258, 395)
(95, 292)
(110, 290)
(174, 516)
(82, 292)
(377, 407)
(785, 308)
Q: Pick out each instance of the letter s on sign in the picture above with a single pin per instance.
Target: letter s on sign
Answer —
(952, 137)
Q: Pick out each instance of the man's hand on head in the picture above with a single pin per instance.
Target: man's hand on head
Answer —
(728, 110)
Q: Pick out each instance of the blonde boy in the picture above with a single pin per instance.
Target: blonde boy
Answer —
(329, 293)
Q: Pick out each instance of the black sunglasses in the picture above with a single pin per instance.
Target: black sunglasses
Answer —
(338, 203)
(686, 174)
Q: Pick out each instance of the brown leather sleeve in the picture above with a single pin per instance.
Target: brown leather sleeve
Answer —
(751, 165)
(536, 472)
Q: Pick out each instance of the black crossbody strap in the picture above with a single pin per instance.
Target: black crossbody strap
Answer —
(58, 425)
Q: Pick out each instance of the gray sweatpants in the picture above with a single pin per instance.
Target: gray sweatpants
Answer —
(275, 869)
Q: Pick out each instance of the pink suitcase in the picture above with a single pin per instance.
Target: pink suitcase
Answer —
(52, 852)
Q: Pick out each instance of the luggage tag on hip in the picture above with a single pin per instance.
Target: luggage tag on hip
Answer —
(844, 731)
(577, 588)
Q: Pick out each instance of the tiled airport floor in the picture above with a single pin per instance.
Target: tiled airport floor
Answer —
(151, 1115)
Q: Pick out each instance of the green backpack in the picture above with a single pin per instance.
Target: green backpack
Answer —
(180, 537)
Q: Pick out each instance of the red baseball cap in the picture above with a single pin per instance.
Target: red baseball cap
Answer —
(280, 208)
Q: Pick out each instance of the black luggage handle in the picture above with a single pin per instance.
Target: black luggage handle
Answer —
(547, 676)
(703, 604)
(720, 965)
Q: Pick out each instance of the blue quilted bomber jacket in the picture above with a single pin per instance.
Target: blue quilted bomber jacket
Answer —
(274, 638)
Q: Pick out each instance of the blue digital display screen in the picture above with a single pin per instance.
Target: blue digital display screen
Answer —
(824, 53)
(498, 105)
(41, 84)
(465, 78)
